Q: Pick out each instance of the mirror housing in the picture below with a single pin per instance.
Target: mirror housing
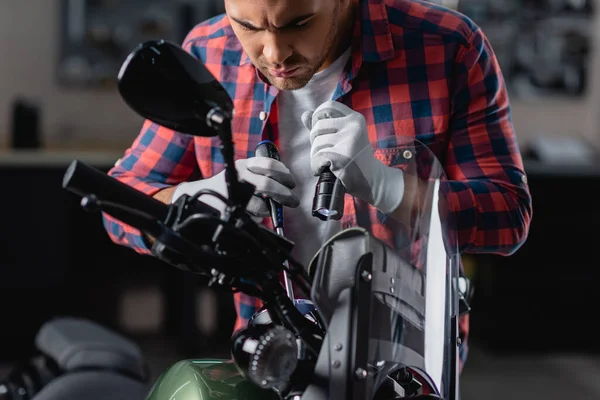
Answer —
(162, 82)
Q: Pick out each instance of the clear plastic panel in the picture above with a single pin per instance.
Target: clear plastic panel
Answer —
(414, 255)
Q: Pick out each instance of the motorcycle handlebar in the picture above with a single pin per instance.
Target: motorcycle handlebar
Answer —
(84, 180)
(126, 204)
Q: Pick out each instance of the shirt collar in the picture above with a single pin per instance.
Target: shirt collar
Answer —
(245, 58)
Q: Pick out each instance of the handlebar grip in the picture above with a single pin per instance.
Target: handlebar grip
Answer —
(83, 180)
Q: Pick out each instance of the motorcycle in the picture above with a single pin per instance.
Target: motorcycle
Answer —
(377, 314)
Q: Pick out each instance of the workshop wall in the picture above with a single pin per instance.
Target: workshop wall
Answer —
(29, 32)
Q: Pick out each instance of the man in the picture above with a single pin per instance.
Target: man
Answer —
(376, 68)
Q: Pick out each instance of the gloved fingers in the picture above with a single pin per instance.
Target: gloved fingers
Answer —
(275, 190)
(306, 119)
(271, 168)
(336, 162)
(326, 128)
(320, 161)
(331, 109)
(327, 110)
(333, 126)
(322, 143)
(257, 207)
(256, 219)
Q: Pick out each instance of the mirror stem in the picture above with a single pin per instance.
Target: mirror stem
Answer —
(218, 121)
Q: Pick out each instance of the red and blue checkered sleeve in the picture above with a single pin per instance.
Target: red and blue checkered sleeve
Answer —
(158, 158)
(488, 197)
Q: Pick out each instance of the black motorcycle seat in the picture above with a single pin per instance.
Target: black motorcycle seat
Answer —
(93, 385)
(79, 344)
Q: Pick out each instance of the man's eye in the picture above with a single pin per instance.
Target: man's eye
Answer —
(248, 28)
(301, 26)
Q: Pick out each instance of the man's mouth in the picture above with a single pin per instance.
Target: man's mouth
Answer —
(284, 73)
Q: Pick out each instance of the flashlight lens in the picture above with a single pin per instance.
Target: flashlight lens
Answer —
(327, 212)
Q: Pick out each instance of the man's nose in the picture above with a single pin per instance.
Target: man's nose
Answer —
(276, 50)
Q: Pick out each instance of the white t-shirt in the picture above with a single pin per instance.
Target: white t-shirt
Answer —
(300, 226)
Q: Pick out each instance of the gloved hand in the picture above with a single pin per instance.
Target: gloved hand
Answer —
(339, 140)
(271, 178)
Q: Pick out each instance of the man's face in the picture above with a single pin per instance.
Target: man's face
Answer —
(287, 40)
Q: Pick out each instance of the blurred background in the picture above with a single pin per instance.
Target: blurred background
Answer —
(533, 329)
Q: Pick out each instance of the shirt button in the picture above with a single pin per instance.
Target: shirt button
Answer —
(524, 179)
(262, 115)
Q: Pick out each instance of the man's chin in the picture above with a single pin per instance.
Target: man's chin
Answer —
(293, 83)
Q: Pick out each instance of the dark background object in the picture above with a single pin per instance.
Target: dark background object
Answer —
(544, 297)
(57, 259)
(26, 121)
(97, 35)
(543, 47)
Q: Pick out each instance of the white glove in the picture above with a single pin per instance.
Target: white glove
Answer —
(271, 178)
(339, 140)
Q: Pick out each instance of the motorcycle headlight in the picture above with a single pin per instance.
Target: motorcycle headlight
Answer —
(268, 356)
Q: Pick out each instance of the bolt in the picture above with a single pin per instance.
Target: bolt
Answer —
(360, 373)
(366, 276)
(338, 347)
(336, 364)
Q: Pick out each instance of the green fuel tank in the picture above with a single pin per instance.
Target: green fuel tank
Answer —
(206, 379)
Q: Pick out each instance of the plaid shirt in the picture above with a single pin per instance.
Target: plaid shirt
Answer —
(416, 70)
